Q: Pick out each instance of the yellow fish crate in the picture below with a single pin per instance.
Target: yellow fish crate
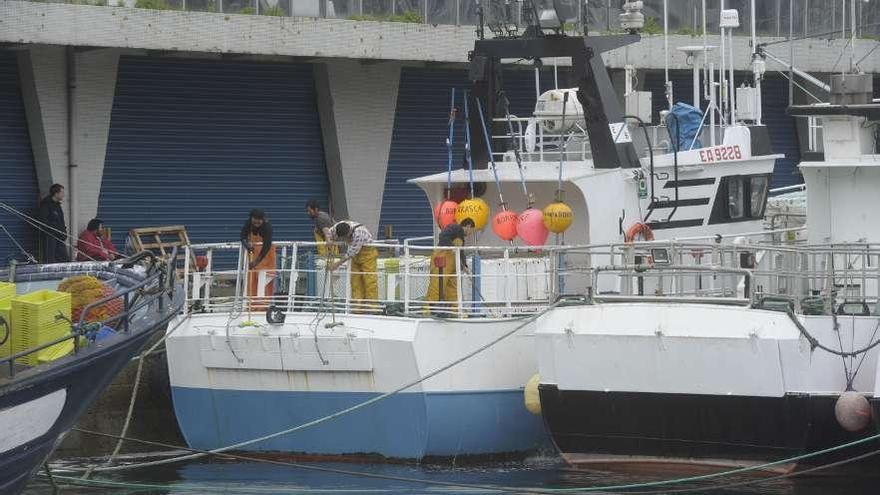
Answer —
(5, 328)
(7, 291)
(39, 318)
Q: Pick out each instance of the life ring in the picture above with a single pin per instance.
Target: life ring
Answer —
(639, 229)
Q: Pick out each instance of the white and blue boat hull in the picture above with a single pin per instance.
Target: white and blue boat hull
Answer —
(278, 381)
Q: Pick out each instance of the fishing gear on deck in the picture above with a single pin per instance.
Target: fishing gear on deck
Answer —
(530, 198)
(444, 214)
(474, 208)
(557, 216)
(505, 221)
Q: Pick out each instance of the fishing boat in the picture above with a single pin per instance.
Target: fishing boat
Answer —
(316, 372)
(715, 357)
(49, 376)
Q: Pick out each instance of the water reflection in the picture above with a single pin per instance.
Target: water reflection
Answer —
(540, 472)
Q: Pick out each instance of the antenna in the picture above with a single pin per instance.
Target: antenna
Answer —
(852, 32)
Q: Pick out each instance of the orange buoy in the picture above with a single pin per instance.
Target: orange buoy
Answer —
(504, 224)
(531, 227)
(476, 209)
(641, 230)
(558, 217)
(444, 214)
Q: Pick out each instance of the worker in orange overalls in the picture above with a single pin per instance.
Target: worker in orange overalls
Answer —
(256, 237)
(443, 287)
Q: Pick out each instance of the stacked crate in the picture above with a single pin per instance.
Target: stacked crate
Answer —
(39, 318)
(7, 292)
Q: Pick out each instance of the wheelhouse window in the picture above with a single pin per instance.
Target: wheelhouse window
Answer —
(736, 205)
(740, 198)
(758, 193)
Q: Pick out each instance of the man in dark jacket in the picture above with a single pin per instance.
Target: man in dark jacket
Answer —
(53, 235)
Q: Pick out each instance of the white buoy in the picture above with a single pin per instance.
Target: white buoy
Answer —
(531, 396)
(852, 410)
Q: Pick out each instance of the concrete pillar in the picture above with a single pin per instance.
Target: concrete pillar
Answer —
(357, 103)
(44, 91)
(44, 77)
(96, 73)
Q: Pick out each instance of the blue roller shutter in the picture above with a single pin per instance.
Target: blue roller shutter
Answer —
(781, 126)
(201, 143)
(18, 179)
(418, 145)
(783, 131)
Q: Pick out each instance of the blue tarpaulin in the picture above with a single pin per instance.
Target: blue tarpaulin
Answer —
(688, 117)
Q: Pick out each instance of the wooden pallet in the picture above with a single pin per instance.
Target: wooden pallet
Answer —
(162, 241)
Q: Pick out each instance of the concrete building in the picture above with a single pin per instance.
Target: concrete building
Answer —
(161, 117)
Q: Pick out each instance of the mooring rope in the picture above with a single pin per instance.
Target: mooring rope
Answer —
(57, 479)
(627, 488)
(814, 342)
(134, 393)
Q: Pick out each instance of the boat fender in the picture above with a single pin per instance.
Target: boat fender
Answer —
(531, 134)
(531, 397)
(639, 229)
(852, 410)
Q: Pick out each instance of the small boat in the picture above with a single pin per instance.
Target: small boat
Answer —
(42, 395)
(243, 375)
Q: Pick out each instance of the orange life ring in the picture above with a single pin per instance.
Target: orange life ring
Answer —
(640, 228)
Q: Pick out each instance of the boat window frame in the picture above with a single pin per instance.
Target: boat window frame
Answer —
(748, 184)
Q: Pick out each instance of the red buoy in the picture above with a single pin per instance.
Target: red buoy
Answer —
(444, 214)
(504, 224)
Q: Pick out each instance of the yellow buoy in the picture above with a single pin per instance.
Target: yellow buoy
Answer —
(531, 396)
(558, 217)
(476, 209)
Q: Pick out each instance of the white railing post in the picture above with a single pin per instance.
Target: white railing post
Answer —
(458, 295)
(186, 287)
(292, 278)
(507, 279)
(280, 270)
(347, 286)
(406, 274)
(209, 278)
(261, 284)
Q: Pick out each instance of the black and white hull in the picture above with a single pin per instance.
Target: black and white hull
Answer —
(696, 387)
(621, 430)
(38, 406)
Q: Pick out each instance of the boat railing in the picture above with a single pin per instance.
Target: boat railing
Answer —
(488, 281)
(491, 281)
(151, 291)
(814, 279)
(534, 144)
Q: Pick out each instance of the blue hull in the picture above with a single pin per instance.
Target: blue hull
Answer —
(403, 426)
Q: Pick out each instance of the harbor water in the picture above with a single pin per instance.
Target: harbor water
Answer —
(540, 474)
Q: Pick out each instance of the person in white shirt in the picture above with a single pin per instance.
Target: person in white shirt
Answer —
(364, 281)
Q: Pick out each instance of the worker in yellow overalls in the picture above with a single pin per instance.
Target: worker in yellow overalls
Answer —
(364, 279)
(256, 237)
(443, 287)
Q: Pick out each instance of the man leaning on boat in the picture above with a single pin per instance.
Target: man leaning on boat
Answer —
(364, 280)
